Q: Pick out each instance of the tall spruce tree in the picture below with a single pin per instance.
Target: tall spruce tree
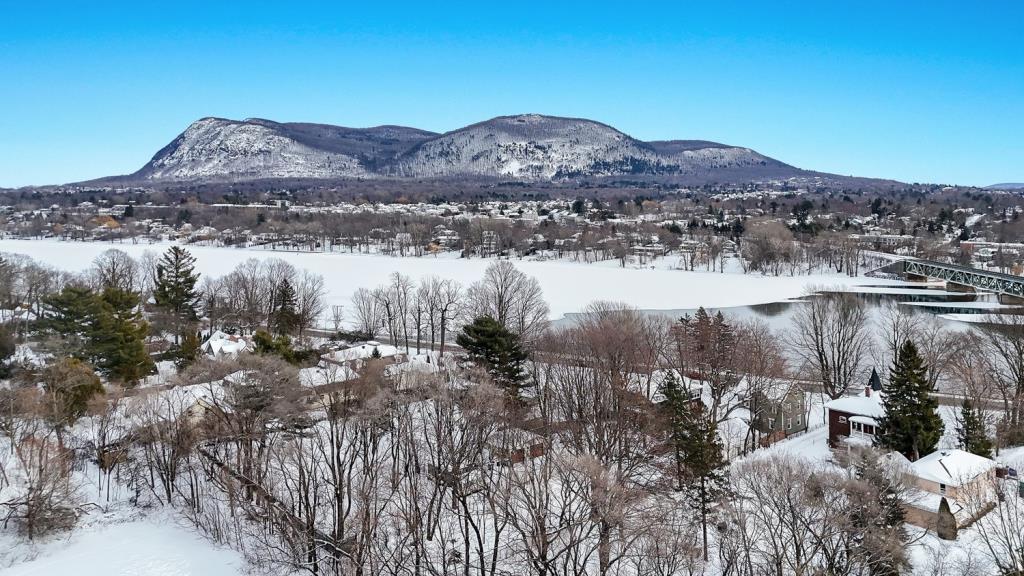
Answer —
(911, 424)
(499, 350)
(6, 282)
(703, 465)
(117, 345)
(71, 315)
(175, 290)
(675, 408)
(700, 466)
(970, 431)
(284, 318)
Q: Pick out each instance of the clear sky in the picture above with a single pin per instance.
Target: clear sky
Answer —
(917, 91)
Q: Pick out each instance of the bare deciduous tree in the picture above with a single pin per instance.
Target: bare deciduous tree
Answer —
(512, 298)
(831, 335)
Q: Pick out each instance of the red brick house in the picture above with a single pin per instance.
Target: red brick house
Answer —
(854, 419)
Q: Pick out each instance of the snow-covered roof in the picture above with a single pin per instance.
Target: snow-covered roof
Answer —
(952, 467)
(864, 420)
(362, 351)
(220, 343)
(930, 502)
(870, 406)
(317, 376)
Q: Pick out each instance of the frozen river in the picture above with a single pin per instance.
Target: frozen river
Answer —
(568, 286)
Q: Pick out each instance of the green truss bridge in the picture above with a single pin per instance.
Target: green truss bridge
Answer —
(1007, 286)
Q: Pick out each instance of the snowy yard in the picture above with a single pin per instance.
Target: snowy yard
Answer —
(568, 286)
(155, 546)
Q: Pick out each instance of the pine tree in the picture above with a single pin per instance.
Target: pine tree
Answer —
(703, 464)
(970, 431)
(284, 318)
(6, 282)
(676, 407)
(911, 424)
(281, 345)
(488, 342)
(188, 350)
(117, 339)
(175, 289)
(71, 315)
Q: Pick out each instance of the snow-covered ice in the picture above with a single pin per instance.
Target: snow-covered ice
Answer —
(568, 286)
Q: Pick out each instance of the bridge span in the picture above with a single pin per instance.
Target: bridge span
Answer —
(1007, 286)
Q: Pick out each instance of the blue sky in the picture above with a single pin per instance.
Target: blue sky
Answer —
(917, 91)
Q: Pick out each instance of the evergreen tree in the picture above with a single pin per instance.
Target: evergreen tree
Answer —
(6, 283)
(188, 350)
(499, 350)
(676, 407)
(877, 515)
(7, 344)
(117, 342)
(970, 431)
(911, 424)
(175, 289)
(702, 463)
(71, 315)
(281, 345)
(284, 318)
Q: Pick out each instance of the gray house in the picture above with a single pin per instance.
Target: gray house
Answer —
(777, 411)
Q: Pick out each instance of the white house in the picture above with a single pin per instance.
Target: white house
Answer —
(222, 344)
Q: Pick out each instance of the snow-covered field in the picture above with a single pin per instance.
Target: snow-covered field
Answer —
(568, 286)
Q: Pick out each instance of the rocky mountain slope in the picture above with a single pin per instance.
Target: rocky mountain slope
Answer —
(527, 147)
(535, 147)
(214, 148)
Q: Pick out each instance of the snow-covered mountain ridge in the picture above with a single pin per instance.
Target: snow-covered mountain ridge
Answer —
(529, 147)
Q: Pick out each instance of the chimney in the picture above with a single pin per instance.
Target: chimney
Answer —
(867, 391)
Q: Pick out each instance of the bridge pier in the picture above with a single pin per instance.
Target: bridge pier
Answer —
(1011, 300)
(955, 287)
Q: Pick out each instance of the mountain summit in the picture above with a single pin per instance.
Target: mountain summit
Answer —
(527, 147)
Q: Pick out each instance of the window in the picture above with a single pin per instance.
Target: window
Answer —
(942, 488)
(856, 427)
(842, 419)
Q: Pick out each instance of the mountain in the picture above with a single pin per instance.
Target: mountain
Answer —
(526, 148)
(535, 147)
(219, 149)
(1006, 186)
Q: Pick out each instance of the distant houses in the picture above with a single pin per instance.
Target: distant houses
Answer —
(356, 355)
